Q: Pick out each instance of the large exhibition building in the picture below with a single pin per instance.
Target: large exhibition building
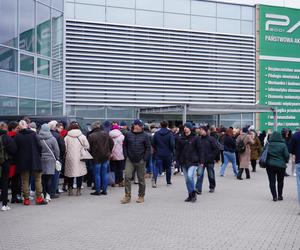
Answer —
(216, 63)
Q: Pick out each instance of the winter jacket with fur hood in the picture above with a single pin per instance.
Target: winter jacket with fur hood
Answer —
(117, 151)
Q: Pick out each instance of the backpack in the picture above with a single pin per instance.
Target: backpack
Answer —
(3, 154)
(241, 146)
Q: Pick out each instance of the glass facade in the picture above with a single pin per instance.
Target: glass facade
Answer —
(31, 57)
(176, 14)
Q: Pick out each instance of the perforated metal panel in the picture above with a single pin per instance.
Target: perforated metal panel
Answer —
(116, 65)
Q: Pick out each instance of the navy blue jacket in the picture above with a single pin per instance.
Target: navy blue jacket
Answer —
(294, 146)
(163, 143)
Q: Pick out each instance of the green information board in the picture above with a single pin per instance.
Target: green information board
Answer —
(279, 65)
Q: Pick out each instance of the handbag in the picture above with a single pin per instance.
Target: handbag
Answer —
(111, 178)
(84, 153)
(57, 162)
(263, 157)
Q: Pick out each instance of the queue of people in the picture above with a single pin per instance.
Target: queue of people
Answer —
(32, 161)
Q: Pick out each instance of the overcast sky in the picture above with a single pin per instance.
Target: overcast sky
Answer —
(286, 3)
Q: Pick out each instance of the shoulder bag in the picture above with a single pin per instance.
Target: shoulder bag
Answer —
(263, 157)
(57, 162)
(84, 153)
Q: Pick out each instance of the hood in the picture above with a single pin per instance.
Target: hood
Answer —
(115, 133)
(276, 137)
(163, 131)
(75, 133)
(44, 135)
(26, 131)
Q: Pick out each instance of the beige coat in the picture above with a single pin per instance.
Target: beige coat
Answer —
(245, 157)
(73, 166)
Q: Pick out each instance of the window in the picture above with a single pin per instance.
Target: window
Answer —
(149, 18)
(247, 13)
(43, 67)
(177, 21)
(122, 16)
(203, 8)
(57, 91)
(43, 30)
(8, 24)
(27, 86)
(26, 106)
(8, 59)
(177, 6)
(43, 89)
(58, 4)
(8, 83)
(204, 23)
(247, 28)
(97, 2)
(229, 11)
(57, 70)
(228, 26)
(57, 108)
(26, 63)
(27, 25)
(157, 5)
(90, 12)
(57, 34)
(8, 105)
(43, 107)
(121, 3)
(70, 10)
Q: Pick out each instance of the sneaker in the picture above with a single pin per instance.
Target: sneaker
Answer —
(154, 184)
(26, 202)
(198, 192)
(40, 201)
(188, 199)
(169, 183)
(5, 208)
(96, 193)
(211, 190)
(104, 193)
(181, 173)
(294, 174)
(47, 198)
(280, 198)
(15, 200)
(162, 174)
(140, 199)
(60, 191)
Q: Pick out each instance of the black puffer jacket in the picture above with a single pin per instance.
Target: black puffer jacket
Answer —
(188, 150)
(209, 149)
(137, 146)
(29, 150)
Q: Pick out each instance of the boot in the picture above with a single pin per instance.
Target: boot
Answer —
(126, 199)
(70, 191)
(247, 173)
(140, 199)
(26, 202)
(239, 176)
(193, 197)
(78, 192)
(189, 198)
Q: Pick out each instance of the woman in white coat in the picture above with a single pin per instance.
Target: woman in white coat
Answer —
(74, 141)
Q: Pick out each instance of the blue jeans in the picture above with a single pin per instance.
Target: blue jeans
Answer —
(228, 156)
(101, 175)
(189, 174)
(211, 176)
(163, 163)
(54, 182)
(298, 180)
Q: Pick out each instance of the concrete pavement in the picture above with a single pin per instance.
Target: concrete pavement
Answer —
(239, 215)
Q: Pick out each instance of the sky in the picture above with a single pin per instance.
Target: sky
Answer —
(285, 3)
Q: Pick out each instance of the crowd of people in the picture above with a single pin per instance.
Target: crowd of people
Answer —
(32, 160)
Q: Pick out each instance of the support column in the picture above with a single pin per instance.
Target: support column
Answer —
(184, 114)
